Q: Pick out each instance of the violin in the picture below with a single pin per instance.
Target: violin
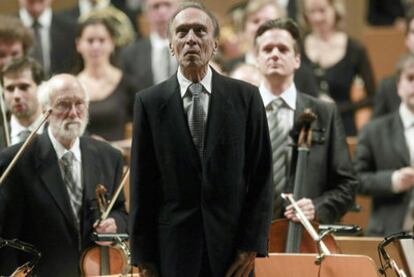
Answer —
(286, 235)
(106, 260)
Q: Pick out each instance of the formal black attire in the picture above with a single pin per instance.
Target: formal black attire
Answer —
(386, 99)
(337, 80)
(35, 206)
(62, 35)
(108, 116)
(330, 179)
(384, 12)
(187, 212)
(136, 63)
(381, 150)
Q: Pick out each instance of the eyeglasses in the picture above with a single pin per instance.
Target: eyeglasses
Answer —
(66, 106)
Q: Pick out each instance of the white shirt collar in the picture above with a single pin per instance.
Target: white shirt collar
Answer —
(185, 83)
(288, 96)
(45, 19)
(157, 41)
(16, 128)
(407, 116)
(61, 150)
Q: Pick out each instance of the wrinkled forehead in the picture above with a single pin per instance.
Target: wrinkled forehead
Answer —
(68, 92)
(192, 17)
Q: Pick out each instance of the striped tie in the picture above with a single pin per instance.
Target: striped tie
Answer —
(74, 191)
(196, 117)
(278, 139)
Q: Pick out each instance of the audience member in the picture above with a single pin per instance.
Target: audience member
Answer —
(337, 59)
(384, 159)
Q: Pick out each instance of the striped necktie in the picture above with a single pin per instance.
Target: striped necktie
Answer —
(196, 117)
(279, 140)
(74, 190)
(23, 135)
(38, 48)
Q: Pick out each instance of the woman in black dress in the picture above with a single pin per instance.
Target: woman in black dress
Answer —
(110, 93)
(339, 61)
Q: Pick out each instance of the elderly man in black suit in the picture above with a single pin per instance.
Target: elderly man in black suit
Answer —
(54, 36)
(330, 183)
(384, 159)
(200, 185)
(49, 199)
(148, 61)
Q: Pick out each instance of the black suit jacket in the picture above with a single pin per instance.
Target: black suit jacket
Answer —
(182, 206)
(330, 179)
(35, 207)
(387, 99)
(136, 63)
(62, 44)
(381, 150)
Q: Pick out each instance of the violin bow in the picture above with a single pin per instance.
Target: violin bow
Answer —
(111, 203)
(305, 222)
(24, 146)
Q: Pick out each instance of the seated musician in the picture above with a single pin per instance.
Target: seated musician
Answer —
(48, 199)
(329, 182)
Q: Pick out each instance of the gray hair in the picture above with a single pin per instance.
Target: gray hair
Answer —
(48, 88)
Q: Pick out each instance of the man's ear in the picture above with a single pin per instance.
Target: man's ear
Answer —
(171, 49)
(215, 46)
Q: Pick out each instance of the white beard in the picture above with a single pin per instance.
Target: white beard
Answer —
(69, 129)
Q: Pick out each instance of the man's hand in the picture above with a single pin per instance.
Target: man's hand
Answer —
(307, 207)
(243, 265)
(403, 179)
(106, 226)
(147, 270)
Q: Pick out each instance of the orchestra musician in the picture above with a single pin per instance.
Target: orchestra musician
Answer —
(20, 80)
(48, 199)
(330, 181)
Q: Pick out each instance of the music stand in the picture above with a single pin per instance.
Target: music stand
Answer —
(303, 265)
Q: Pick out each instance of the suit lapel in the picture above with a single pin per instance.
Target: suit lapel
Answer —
(171, 113)
(219, 107)
(398, 139)
(51, 177)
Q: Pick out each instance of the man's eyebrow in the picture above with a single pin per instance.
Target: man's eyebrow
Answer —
(190, 26)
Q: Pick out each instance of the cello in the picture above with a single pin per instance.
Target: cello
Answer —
(106, 260)
(286, 236)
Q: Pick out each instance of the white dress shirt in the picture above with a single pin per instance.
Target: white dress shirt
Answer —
(407, 118)
(287, 111)
(45, 21)
(16, 128)
(159, 52)
(77, 162)
(187, 97)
